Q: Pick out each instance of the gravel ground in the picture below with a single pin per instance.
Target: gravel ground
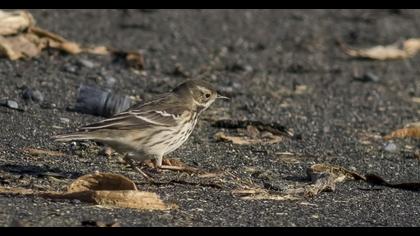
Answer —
(281, 66)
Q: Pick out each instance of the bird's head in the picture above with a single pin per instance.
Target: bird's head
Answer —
(201, 93)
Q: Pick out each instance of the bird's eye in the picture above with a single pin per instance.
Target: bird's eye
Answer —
(207, 95)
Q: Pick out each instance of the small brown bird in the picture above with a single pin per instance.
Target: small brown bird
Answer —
(152, 129)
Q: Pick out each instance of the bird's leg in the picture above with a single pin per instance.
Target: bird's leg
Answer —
(131, 163)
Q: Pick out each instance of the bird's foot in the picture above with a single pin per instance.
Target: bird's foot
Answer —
(137, 169)
(177, 165)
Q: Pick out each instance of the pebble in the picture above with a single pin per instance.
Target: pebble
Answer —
(367, 77)
(86, 63)
(33, 95)
(9, 103)
(70, 68)
(391, 147)
(110, 81)
(64, 120)
(12, 104)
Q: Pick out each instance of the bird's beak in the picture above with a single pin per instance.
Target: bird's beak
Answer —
(222, 97)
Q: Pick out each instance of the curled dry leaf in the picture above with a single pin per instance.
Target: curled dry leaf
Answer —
(113, 190)
(409, 132)
(336, 171)
(102, 189)
(406, 49)
(116, 198)
(20, 46)
(101, 181)
(13, 22)
(324, 178)
(20, 38)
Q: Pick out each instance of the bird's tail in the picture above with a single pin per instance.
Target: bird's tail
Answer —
(74, 137)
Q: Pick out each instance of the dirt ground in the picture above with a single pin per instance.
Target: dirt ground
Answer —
(281, 66)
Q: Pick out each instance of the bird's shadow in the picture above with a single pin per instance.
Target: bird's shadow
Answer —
(38, 171)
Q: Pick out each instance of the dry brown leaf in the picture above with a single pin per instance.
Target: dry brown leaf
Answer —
(13, 22)
(99, 50)
(102, 189)
(336, 171)
(244, 140)
(20, 38)
(39, 152)
(406, 49)
(56, 41)
(409, 132)
(20, 46)
(325, 176)
(101, 181)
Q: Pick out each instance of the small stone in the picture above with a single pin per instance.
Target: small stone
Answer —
(76, 201)
(70, 68)
(64, 120)
(86, 63)
(110, 81)
(367, 77)
(391, 147)
(12, 104)
(33, 95)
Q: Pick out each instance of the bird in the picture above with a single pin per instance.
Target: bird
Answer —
(152, 129)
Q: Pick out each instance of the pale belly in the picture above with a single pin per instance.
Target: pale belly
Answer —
(169, 140)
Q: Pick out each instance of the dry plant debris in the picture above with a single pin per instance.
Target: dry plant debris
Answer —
(104, 189)
(21, 38)
(323, 178)
(42, 152)
(252, 132)
(400, 50)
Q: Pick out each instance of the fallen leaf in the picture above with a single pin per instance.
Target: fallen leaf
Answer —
(118, 198)
(19, 46)
(406, 49)
(99, 50)
(409, 132)
(324, 178)
(13, 22)
(55, 41)
(102, 189)
(21, 38)
(336, 171)
(101, 181)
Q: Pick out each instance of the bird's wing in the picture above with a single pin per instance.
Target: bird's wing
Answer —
(160, 112)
